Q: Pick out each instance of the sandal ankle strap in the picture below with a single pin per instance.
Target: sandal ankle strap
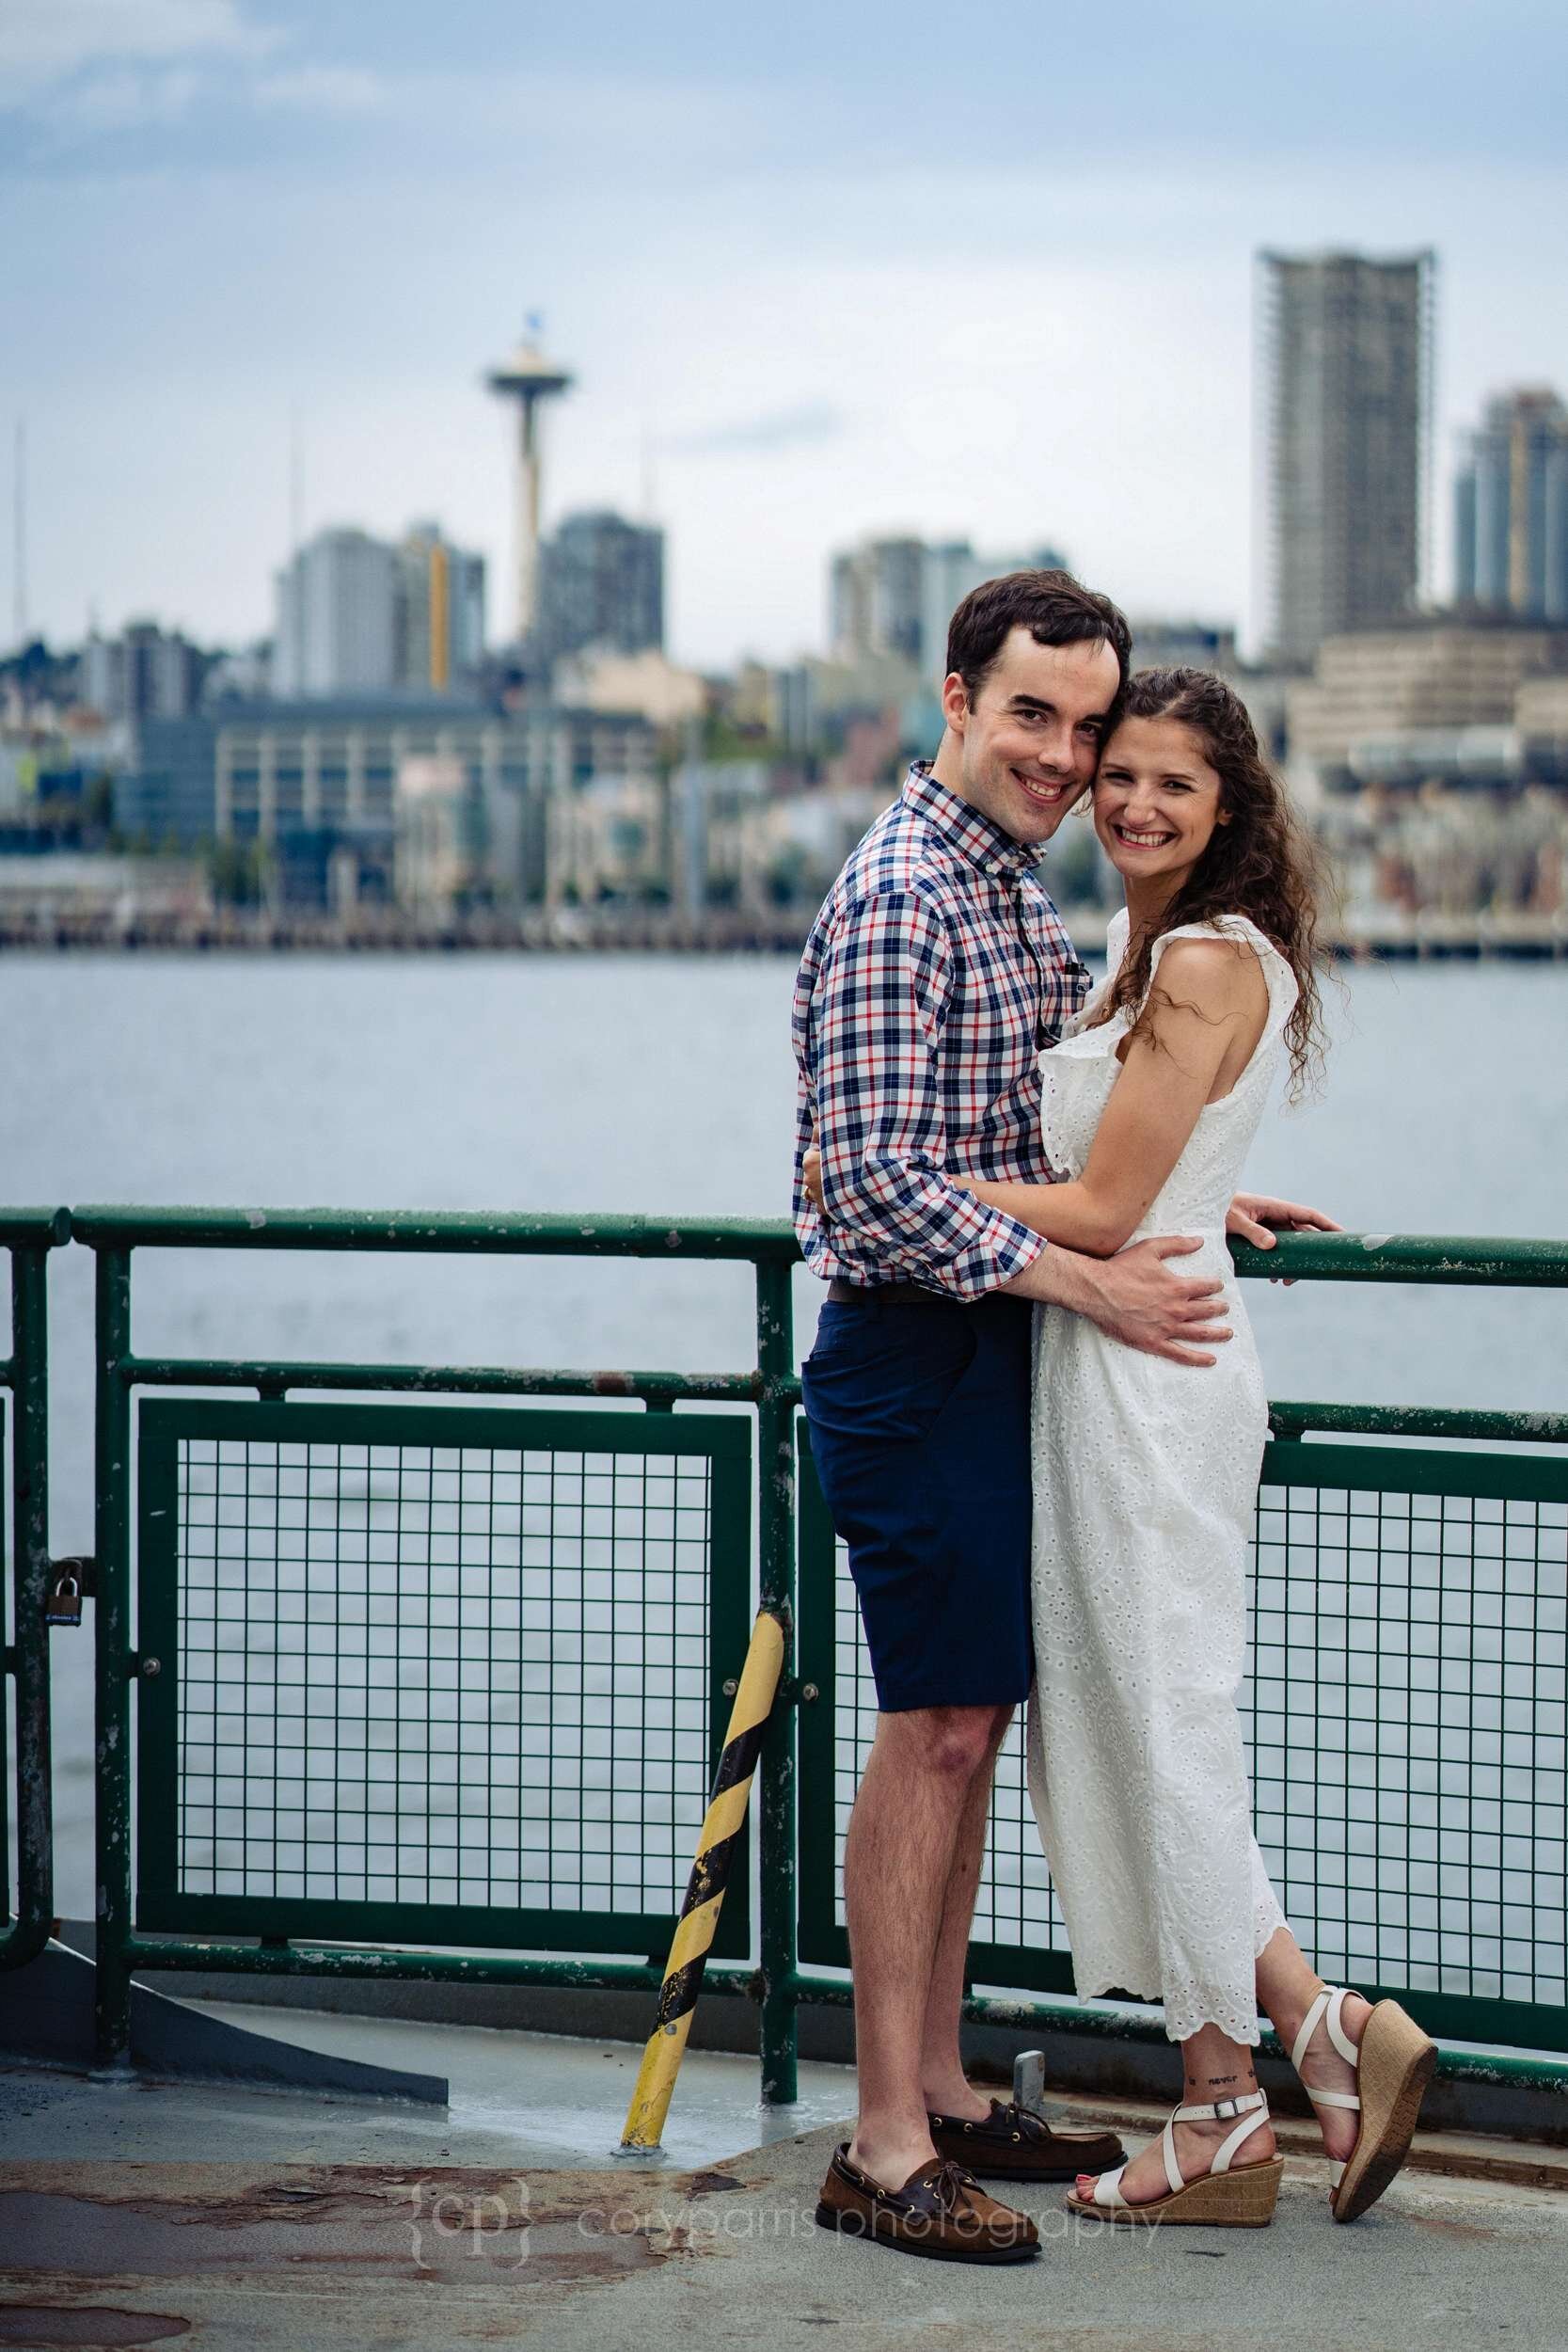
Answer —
(1329, 2004)
(1220, 2110)
(1252, 2106)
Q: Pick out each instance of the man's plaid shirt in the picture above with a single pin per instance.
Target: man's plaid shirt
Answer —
(936, 972)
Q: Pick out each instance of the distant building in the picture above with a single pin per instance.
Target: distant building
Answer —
(609, 841)
(1436, 699)
(646, 682)
(438, 617)
(1345, 354)
(144, 673)
(337, 617)
(792, 843)
(318, 785)
(1183, 646)
(876, 600)
(895, 598)
(1511, 508)
(241, 675)
(601, 584)
(710, 804)
(357, 615)
(1541, 715)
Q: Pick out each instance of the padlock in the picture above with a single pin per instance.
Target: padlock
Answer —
(64, 1604)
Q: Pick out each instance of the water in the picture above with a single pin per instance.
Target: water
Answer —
(665, 1085)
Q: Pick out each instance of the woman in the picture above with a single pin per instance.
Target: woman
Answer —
(1147, 1476)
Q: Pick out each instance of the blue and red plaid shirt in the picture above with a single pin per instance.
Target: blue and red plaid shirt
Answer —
(935, 974)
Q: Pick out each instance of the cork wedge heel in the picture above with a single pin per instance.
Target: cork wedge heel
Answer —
(1224, 2198)
(1393, 2062)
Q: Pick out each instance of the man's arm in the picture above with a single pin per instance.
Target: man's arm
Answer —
(1135, 1296)
(879, 1009)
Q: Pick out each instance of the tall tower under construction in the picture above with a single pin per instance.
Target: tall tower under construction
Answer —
(530, 379)
(1344, 350)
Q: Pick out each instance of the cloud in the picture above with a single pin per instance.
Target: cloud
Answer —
(42, 41)
(324, 89)
(785, 428)
(124, 99)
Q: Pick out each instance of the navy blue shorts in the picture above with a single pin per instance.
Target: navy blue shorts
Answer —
(919, 1418)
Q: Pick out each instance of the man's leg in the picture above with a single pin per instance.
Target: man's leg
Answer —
(943, 2084)
(898, 1860)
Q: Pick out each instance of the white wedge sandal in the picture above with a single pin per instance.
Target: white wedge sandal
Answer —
(1222, 2199)
(1393, 2066)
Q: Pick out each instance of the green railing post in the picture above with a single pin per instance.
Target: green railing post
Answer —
(112, 1698)
(35, 1855)
(776, 1545)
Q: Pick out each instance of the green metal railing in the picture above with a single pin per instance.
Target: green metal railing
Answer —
(340, 1619)
(27, 1235)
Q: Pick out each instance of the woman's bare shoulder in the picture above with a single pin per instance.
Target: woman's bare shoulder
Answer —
(1215, 971)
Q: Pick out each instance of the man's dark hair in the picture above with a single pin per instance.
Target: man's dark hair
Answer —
(1055, 609)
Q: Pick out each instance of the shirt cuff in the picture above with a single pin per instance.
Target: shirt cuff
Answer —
(1003, 1248)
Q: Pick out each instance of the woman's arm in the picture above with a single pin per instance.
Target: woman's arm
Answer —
(1212, 1002)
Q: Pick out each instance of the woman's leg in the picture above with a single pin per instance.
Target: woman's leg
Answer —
(1287, 1986)
(1213, 2067)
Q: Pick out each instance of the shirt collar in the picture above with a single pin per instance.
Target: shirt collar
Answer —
(973, 834)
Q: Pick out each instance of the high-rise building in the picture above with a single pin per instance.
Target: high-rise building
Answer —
(897, 596)
(601, 584)
(145, 673)
(1511, 508)
(440, 618)
(356, 616)
(1345, 365)
(337, 617)
(874, 600)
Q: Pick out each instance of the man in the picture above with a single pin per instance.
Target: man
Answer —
(935, 971)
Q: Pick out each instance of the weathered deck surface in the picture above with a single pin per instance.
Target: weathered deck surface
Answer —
(135, 2213)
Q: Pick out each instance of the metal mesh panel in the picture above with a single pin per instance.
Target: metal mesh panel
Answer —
(435, 1676)
(1405, 1720)
(1017, 1905)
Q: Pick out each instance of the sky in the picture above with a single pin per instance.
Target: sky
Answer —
(819, 272)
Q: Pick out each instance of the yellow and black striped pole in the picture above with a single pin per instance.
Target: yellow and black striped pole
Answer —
(704, 1888)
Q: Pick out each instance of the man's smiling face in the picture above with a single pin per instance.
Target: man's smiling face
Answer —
(1029, 739)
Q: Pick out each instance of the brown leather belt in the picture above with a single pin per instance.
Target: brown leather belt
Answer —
(891, 1293)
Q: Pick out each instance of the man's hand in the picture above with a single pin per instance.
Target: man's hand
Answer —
(1135, 1297)
(811, 1176)
(1252, 1214)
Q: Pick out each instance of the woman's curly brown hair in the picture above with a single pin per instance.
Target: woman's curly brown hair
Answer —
(1262, 863)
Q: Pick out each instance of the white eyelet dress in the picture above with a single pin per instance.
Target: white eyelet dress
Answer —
(1145, 1476)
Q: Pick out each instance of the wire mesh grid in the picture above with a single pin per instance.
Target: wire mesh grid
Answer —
(1405, 1716)
(1406, 1720)
(431, 1675)
(1017, 1905)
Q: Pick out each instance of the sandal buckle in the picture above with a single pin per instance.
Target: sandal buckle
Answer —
(1226, 2108)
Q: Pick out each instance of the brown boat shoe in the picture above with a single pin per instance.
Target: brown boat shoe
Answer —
(1013, 2143)
(942, 2210)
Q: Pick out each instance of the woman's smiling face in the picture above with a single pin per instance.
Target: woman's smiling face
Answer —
(1157, 801)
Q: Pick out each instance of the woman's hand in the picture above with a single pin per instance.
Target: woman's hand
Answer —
(1252, 1214)
(811, 1176)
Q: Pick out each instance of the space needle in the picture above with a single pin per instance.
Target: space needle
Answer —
(530, 379)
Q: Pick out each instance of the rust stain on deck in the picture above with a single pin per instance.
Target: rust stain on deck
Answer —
(90, 2327)
(447, 2224)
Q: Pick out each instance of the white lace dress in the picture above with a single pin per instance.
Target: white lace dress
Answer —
(1146, 1477)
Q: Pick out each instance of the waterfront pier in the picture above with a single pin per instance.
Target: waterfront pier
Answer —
(410, 1680)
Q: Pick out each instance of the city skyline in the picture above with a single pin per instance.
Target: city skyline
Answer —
(814, 286)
